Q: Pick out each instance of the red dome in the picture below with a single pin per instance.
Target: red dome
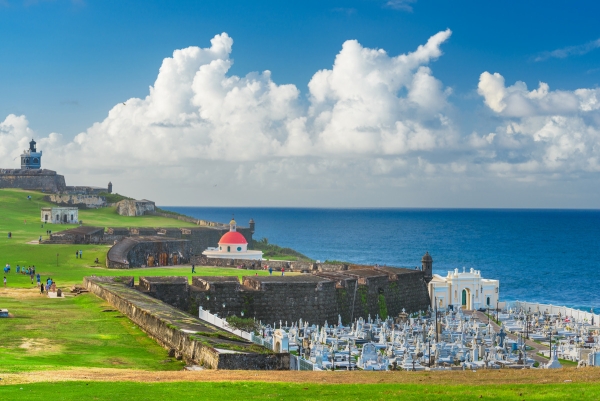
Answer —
(233, 237)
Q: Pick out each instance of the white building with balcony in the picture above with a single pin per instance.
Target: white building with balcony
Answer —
(467, 290)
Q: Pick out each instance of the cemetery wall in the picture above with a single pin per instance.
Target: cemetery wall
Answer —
(311, 297)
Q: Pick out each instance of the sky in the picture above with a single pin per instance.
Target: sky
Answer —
(391, 103)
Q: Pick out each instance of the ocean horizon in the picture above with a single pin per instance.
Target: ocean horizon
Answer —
(539, 255)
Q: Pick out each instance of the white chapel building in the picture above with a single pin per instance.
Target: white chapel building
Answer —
(233, 245)
(467, 290)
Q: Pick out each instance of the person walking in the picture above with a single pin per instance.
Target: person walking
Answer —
(193, 268)
(282, 271)
(42, 288)
(80, 254)
(38, 279)
(270, 271)
(4, 281)
(31, 275)
(76, 254)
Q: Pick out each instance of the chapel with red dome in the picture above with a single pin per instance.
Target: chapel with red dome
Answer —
(233, 245)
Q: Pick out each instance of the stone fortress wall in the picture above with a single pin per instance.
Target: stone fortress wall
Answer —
(34, 180)
(81, 201)
(316, 298)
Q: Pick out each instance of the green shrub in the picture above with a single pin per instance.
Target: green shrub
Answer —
(240, 323)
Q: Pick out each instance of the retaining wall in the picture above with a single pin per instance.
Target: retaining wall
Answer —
(179, 332)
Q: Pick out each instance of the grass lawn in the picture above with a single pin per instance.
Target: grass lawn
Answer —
(79, 331)
(293, 391)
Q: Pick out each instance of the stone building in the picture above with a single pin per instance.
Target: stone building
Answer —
(78, 235)
(467, 290)
(60, 215)
(148, 251)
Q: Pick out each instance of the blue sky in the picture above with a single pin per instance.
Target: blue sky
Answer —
(65, 64)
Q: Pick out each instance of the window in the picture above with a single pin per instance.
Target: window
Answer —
(488, 301)
(228, 248)
(239, 249)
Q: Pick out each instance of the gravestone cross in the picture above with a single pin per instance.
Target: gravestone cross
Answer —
(501, 335)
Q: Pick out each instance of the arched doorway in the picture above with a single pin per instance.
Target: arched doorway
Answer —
(466, 299)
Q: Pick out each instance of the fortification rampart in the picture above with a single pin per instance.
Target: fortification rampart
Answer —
(185, 337)
(35, 180)
(81, 201)
(316, 298)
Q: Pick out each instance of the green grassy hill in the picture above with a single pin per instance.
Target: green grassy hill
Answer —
(21, 217)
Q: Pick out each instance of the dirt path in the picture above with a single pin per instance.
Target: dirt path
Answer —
(481, 377)
(538, 347)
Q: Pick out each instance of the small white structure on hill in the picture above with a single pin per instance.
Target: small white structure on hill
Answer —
(60, 215)
(467, 290)
(233, 245)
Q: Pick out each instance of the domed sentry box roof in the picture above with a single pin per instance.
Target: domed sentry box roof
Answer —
(427, 258)
(232, 237)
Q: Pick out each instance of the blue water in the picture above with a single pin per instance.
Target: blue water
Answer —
(548, 256)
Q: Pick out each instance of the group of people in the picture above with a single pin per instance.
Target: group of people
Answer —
(49, 283)
(270, 269)
(78, 254)
(30, 271)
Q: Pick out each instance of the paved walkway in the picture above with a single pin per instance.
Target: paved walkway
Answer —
(482, 317)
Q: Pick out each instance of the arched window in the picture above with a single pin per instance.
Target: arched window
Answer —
(228, 248)
(488, 301)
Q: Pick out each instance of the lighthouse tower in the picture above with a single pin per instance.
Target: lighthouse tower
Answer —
(31, 159)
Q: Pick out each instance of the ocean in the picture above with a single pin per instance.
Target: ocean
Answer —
(547, 256)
